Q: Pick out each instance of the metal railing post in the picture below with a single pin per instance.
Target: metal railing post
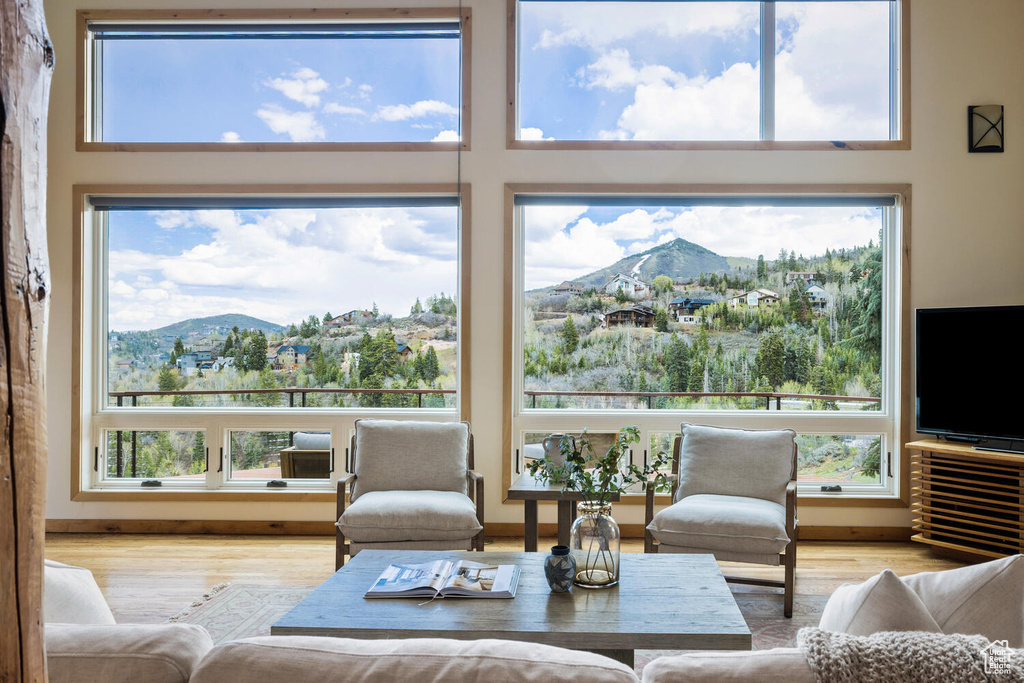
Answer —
(120, 456)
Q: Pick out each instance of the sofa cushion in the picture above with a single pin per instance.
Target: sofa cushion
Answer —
(123, 653)
(410, 455)
(716, 522)
(71, 596)
(882, 603)
(381, 516)
(710, 458)
(312, 441)
(779, 665)
(307, 659)
(986, 599)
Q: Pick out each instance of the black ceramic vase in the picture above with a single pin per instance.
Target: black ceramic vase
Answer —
(560, 569)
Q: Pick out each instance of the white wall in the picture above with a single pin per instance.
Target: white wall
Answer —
(967, 232)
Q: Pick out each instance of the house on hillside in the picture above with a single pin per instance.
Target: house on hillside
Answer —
(755, 298)
(351, 318)
(290, 357)
(570, 288)
(638, 316)
(125, 365)
(223, 362)
(803, 277)
(191, 361)
(404, 351)
(817, 297)
(627, 283)
(685, 309)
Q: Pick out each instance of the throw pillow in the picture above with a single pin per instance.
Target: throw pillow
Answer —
(71, 596)
(882, 603)
(985, 598)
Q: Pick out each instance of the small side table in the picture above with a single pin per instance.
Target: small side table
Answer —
(529, 490)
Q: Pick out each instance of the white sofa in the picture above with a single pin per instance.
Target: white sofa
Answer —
(986, 599)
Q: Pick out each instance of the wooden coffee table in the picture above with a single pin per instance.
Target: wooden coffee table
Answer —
(663, 602)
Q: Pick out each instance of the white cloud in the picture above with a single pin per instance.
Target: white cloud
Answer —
(447, 136)
(303, 86)
(284, 265)
(365, 90)
(230, 136)
(335, 108)
(300, 126)
(404, 112)
(600, 26)
(532, 134)
(580, 246)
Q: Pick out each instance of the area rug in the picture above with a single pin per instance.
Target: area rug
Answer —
(230, 612)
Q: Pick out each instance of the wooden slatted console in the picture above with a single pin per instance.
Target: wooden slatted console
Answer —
(967, 500)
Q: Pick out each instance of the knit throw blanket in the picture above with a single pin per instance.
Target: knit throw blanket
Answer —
(908, 657)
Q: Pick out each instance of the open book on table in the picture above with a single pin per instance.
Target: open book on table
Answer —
(444, 578)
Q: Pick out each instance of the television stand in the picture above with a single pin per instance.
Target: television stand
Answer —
(966, 499)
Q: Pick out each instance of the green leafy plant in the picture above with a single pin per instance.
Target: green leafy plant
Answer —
(595, 478)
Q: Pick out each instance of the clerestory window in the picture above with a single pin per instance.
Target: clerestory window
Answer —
(691, 73)
(254, 81)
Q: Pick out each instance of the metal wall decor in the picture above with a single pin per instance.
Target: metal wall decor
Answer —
(985, 128)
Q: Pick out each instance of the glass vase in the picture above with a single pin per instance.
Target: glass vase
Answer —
(595, 541)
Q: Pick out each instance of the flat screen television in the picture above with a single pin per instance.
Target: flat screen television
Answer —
(969, 379)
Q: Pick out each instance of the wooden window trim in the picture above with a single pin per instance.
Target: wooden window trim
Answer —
(80, 325)
(902, 93)
(84, 87)
(905, 399)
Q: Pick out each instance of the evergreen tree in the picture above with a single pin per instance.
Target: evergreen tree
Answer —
(570, 336)
(169, 379)
(431, 366)
(255, 354)
(770, 359)
(417, 307)
(621, 296)
(661, 320)
(762, 269)
(327, 317)
(177, 351)
(677, 363)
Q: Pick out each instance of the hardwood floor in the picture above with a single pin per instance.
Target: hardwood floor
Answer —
(148, 577)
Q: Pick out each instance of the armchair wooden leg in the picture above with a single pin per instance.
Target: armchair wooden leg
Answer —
(340, 549)
(790, 579)
(649, 546)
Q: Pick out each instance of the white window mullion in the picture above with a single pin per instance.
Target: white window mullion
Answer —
(768, 70)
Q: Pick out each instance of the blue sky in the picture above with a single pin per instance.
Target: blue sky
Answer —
(281, 90)
(565, 242)
(278, 265)
(690, 71)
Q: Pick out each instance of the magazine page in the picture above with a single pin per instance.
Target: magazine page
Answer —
(482, 580)
(412, 578)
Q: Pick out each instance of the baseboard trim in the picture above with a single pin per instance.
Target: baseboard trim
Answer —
(491, 530)
(188, 526)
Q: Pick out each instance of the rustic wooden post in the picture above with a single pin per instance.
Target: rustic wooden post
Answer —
(26, 64)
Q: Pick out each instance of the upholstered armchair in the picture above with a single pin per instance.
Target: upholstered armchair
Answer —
(734, 497)
(413, 487)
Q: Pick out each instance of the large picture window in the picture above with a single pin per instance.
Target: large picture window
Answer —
(368, 78)
(211, 310)
(618, 72)
(656, 309)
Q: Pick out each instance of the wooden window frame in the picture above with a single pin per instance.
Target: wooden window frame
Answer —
(84, 88)
(86, 288)
(899, 92)
(903, 400)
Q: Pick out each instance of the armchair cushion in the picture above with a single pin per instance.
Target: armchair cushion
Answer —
(882, 603)
(410, 455)
(311, 441)
(385, 516)
(711, 460)
(71, 596)
(122, 653)
(729, 523)
(986, 598)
